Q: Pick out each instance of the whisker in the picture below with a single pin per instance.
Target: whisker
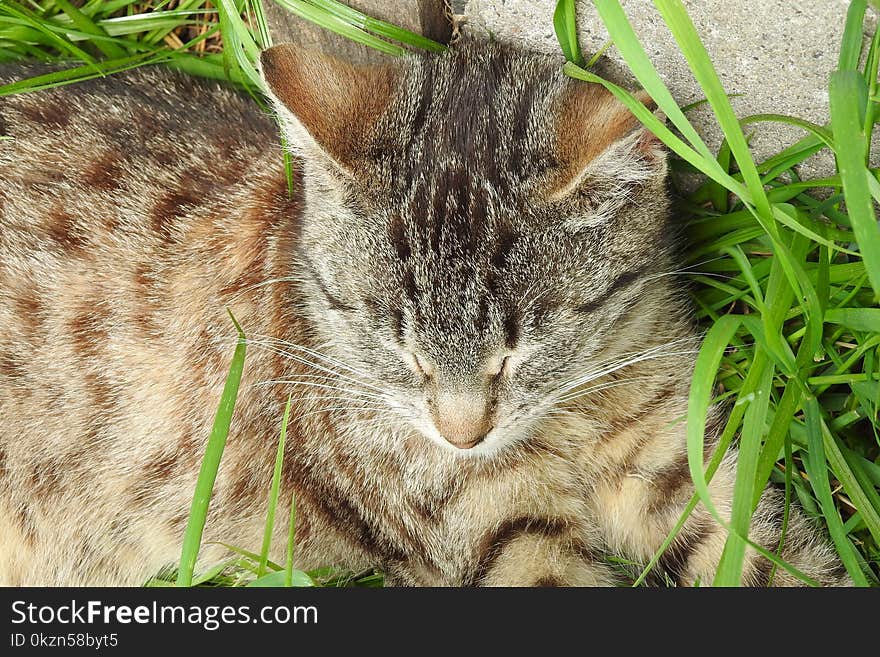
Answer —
(324, 386)
(318, 354)
(318, 366)
(271, 281)
(322, 398)
(632, 361)
(335, 408)
(601, 386)
(710, 274)
(601, 368)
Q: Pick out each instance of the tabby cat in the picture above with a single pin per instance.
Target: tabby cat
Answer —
(466, 294)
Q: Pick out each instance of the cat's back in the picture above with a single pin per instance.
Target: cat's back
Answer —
(149, 101)
(98, 175)
(111, 192)
(128, 135)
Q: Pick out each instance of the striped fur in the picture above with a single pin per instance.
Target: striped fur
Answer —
(470, 227)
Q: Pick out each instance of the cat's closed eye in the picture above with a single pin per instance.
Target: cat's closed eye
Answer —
(421, 365)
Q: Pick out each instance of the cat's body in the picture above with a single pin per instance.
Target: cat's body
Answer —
(134, 210)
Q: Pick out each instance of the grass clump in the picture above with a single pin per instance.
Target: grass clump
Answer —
(786, 290)
(785, 272)
(99, 38)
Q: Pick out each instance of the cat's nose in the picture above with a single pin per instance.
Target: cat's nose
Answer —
(463, 421)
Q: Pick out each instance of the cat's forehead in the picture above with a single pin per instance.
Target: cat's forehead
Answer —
(462, 150)
(479, 118)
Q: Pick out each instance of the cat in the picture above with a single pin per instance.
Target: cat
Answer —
(465, 295)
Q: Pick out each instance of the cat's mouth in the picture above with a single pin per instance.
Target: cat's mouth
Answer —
(466, 444)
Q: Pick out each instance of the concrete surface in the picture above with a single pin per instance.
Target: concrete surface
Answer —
(777, 53)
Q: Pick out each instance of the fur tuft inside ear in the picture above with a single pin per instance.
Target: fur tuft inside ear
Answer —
(327, 106)
(601, 144)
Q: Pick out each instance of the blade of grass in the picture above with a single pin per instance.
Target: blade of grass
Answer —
(62, 44)
(239, 46)
(251, 557)
(709, 167)
(716, 193)
(872, 65)
(70, 75)
(211, 463)
(85, 24)
(821, 133)
(851, 43)
(850, 482)
(858, 319)
(156, 36)
(702, 382)
(847, 94)
(335, 24)
(786, 510)
(108, 67)
(565, 25)
(256, 7)
(273, 492)
(279, 578)
(382, 28)
(291, 541)
(816, 469)
(730, 566)
(630, 48)
(724, 441)
(685, 34)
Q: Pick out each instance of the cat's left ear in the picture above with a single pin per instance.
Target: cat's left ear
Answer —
(602, 148)
(327, 107)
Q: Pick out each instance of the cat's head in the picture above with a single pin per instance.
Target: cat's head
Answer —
(478, 228)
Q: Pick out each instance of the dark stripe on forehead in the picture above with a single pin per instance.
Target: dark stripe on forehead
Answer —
(458, 223)
(435, 219)
(425, 92)
(465, 93)
(505, 240)
(511, 330)
(542, 308)
(410, 289)
(519, 129)
(479, 214)
(399, 239)
(397, 322)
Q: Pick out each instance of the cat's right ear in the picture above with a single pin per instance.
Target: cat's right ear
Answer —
(601, 146)
(327, 107)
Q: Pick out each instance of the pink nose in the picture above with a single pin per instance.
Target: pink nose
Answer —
(460, 421)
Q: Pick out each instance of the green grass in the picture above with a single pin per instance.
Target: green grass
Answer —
(195, 526)
(784, 272)
(786, 291)
(219, 40)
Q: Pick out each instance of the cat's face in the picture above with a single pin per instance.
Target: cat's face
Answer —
(477, 226)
